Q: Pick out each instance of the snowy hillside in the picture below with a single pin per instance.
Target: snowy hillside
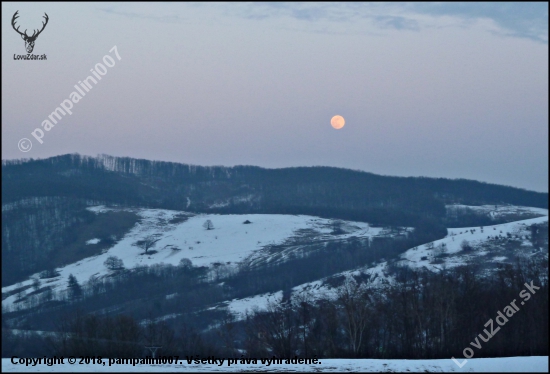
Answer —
(498, 211)
(247, 263)
(450, 252)
(179, 235)
(488, 244)
(313, 290)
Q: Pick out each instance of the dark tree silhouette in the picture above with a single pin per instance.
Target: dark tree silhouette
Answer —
(113, 263)
(146, 243)
(75, 290)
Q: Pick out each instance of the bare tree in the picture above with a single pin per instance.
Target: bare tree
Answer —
(36, 284)
(208, 225)
(440, 250)
(94, 285)
(186, 263)
(355, 301)
(20, 291)
(304, 307)
(227, 333)
(146, 243)
(113, 263)
(277, 328)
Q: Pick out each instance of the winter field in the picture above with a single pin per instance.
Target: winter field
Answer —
(506, 364)
(487, 241)
(182, 235)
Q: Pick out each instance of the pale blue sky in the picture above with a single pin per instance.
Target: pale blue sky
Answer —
(457, 90)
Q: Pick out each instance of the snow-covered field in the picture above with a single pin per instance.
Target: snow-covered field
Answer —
(182, 235)
(418, 257)
(506, 364)
(311, 290)
(229, 242)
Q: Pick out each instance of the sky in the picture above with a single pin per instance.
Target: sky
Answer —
(453, 90)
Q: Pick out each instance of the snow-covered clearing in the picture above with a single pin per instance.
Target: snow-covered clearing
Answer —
(239, 307)
(423, 255)
(496, 211)
(182, 235)
(311, 291)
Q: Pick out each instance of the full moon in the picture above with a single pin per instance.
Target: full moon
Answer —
(337, 122)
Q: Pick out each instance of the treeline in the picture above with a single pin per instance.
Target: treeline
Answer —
(34, 228)
(461, 216)
(120, 336)
(140, 291)
(42, 233)
(422, 315)
(247, 188)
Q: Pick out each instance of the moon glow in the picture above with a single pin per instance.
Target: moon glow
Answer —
(337, 122)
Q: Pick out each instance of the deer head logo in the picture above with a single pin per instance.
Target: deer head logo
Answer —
(29, 40)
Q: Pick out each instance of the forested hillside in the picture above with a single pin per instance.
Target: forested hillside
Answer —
(305, 190)
(44, 201)
(106, 241)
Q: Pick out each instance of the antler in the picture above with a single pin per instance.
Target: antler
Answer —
(15, 16)
(35, 34)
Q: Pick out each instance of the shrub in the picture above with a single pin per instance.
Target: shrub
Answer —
(49, 273)
(465, 245)
(186, 263)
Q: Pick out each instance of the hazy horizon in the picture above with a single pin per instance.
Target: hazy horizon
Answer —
(442, 90)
